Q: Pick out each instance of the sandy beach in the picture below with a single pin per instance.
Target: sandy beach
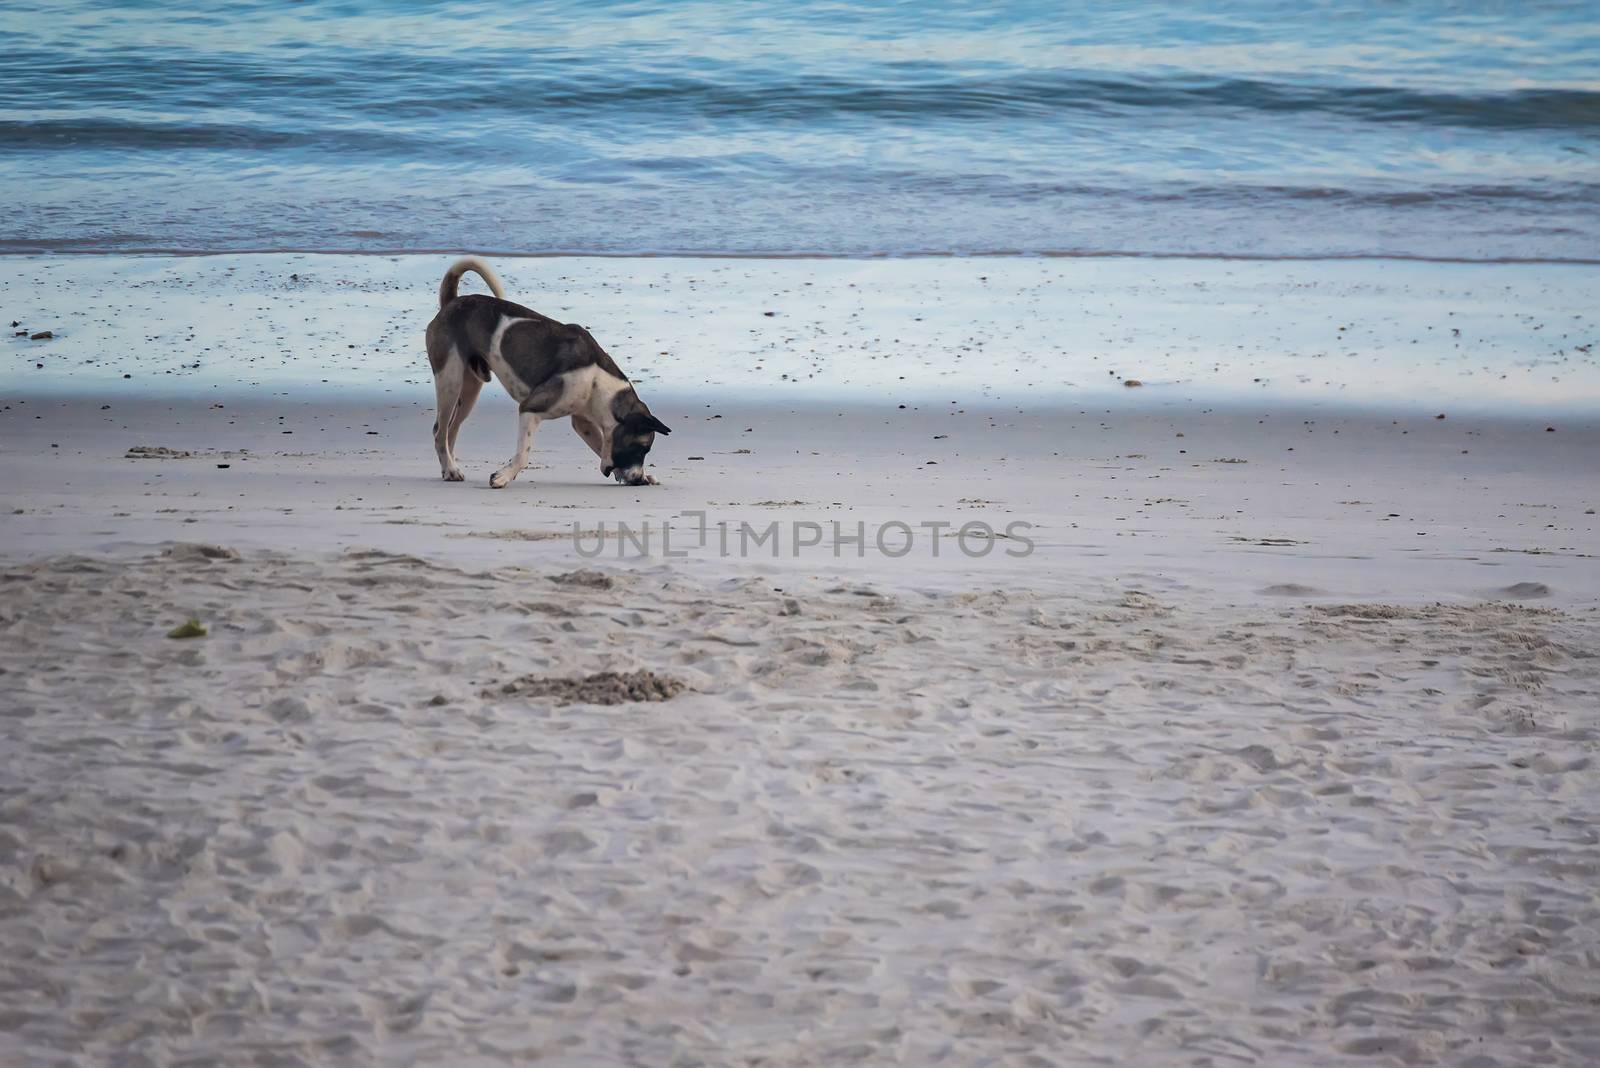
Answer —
(1246, 715)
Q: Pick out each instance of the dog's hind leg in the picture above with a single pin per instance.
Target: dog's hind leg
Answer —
(448, 387)
(471, 386)
(527, 423)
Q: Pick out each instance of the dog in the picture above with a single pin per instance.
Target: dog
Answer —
(551, 369)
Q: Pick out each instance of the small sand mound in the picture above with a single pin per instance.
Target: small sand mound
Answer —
(1368, 611)
(1291, 589)
(1525, 591)
(585, 577)
(1456, 614)
(606, 688)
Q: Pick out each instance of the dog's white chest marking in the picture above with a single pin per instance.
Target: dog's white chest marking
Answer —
(590, 391)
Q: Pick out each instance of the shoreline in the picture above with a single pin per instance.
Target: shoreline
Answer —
(72, 250)
(1344, 335)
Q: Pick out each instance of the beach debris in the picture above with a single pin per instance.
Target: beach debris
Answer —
(156, 452)
(192, 628)
(605, 688)
(1132, 383)
(42, 335)
(191, 552)
(527, 535)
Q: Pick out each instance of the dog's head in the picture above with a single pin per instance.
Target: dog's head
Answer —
(631, 439)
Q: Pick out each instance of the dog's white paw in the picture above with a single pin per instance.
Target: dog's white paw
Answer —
(500, 480)
(454, 475)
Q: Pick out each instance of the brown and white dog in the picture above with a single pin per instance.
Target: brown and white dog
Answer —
(550, 369)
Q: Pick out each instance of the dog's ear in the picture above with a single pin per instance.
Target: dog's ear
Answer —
(652, 423)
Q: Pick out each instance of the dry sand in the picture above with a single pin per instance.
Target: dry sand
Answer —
(1277, 748)
(988, 827)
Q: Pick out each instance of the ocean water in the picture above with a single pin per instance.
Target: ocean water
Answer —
(1205, 127)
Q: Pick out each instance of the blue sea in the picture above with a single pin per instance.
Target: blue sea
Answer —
(1209, 127)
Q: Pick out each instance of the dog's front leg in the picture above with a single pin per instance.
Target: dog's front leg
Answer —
(527, 423)
(590, 434)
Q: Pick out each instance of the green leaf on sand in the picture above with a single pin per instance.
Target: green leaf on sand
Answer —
(191, 629)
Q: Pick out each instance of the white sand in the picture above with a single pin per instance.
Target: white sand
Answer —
(1283, 761)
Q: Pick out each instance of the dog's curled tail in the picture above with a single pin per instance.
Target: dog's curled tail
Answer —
(452, 277)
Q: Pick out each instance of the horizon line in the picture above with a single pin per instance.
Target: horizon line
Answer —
(1403, 257)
